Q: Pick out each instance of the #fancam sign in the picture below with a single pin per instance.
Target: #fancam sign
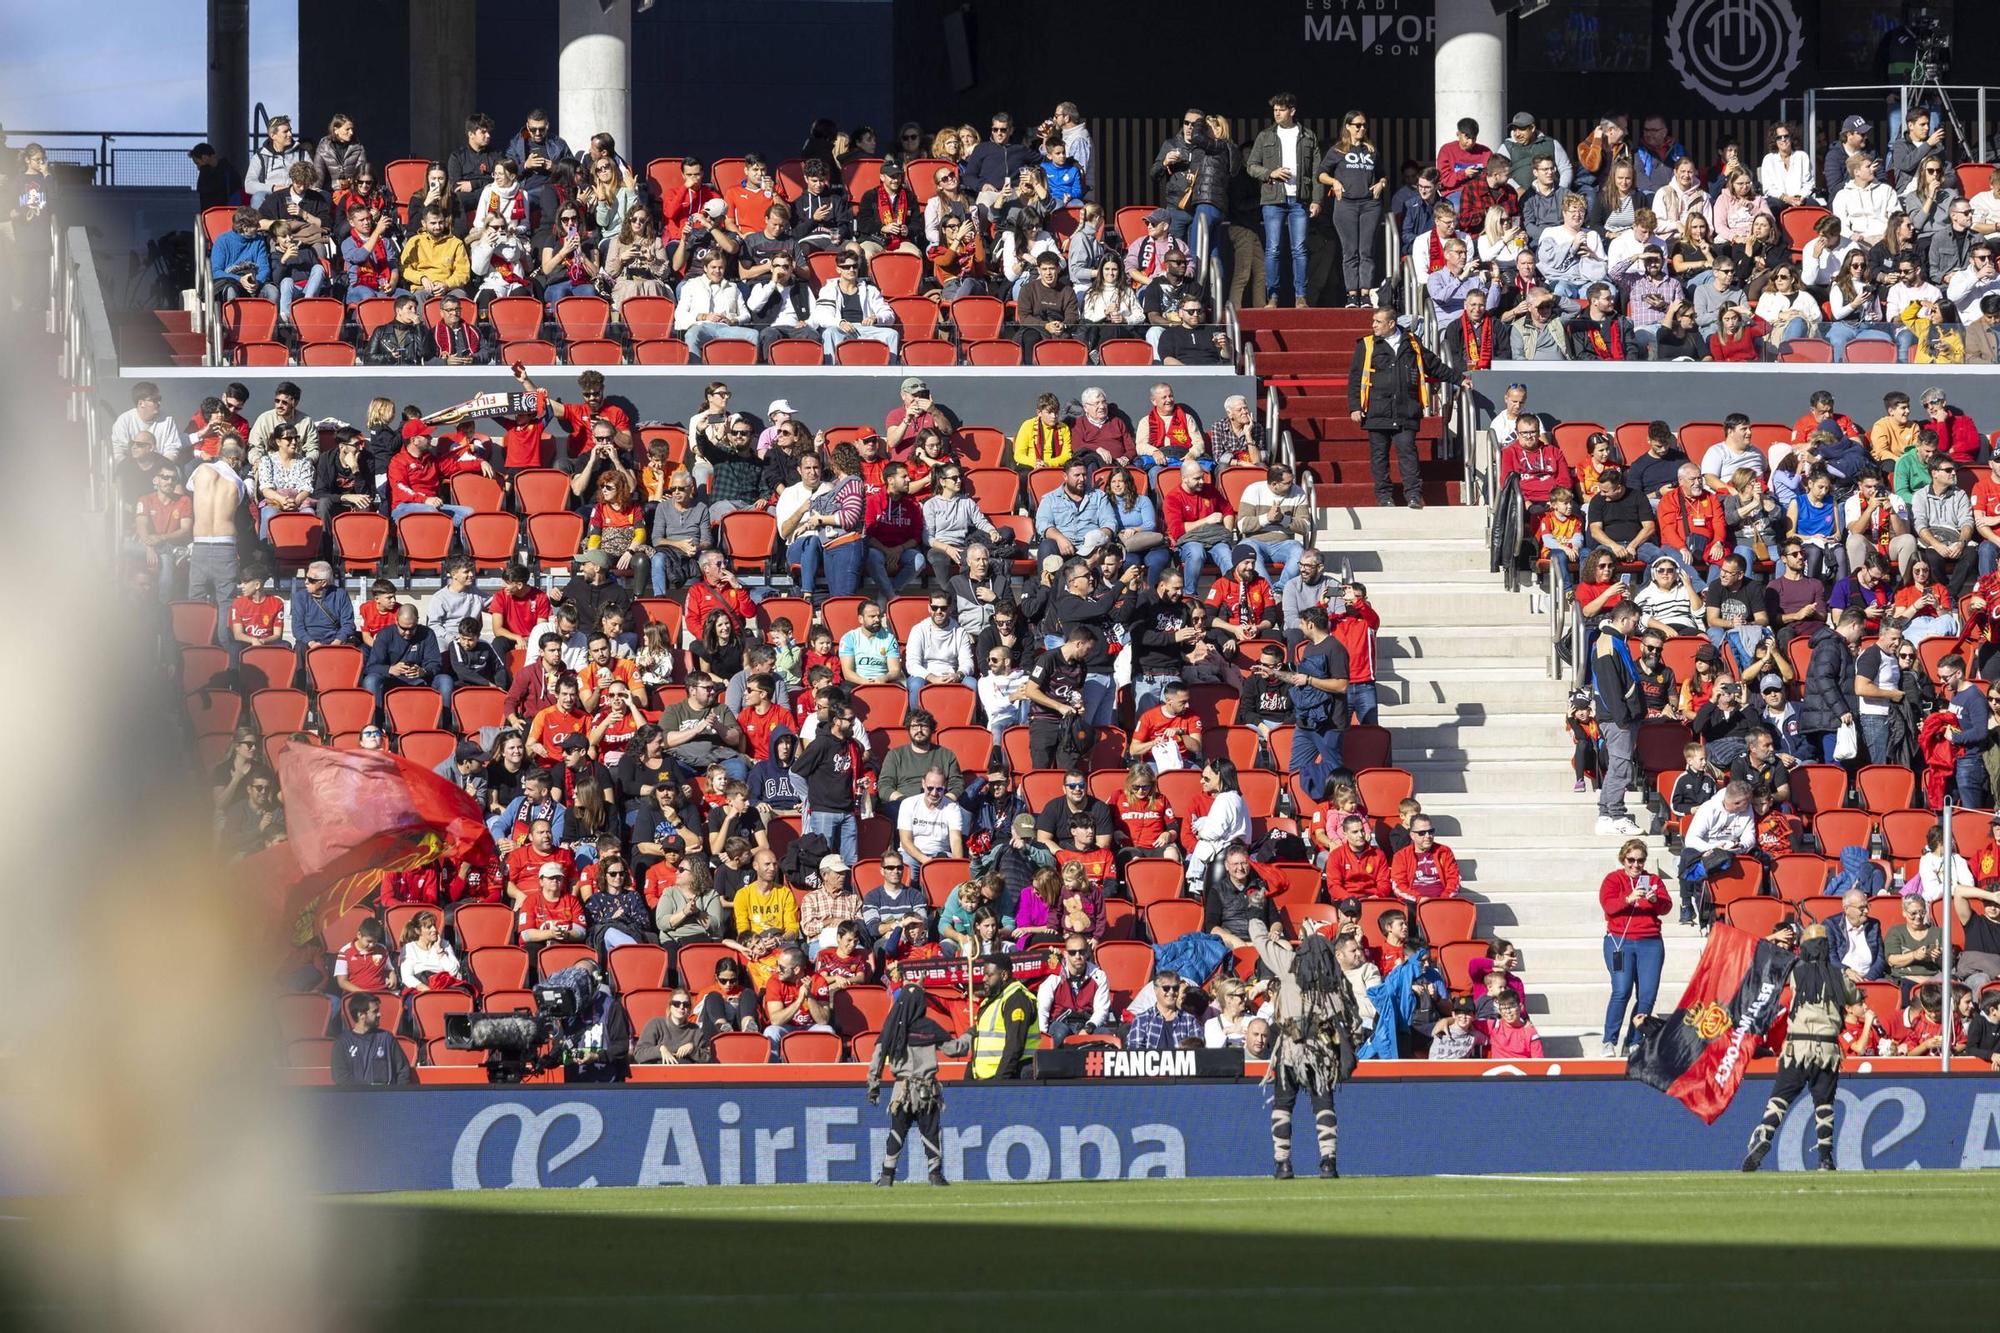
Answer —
(1736, 53)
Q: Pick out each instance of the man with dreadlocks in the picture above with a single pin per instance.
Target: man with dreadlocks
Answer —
(1810, 1060)
(1314, 1046)
(909, 1046)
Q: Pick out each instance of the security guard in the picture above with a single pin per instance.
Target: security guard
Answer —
(1009, 1026)
(1388, 393)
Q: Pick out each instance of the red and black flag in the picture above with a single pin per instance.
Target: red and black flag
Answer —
(351, 815)
(1698, 1052)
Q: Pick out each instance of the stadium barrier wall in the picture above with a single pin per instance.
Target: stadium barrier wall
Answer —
(550, 1136)
(1002, 397)
(1677, 392)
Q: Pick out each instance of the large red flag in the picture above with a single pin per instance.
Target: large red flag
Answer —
(1698, 1052)
(350, 815)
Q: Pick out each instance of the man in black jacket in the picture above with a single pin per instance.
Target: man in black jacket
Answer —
(400, 342)
(470, 169)
(1388, 388)
(365, 1056)
(1829, 698)
(1621, 709)
(996, 164)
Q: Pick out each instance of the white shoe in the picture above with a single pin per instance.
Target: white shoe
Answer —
(1610, 1052)
(1621, 826)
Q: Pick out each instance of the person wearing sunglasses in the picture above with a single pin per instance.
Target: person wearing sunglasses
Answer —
(1078, 998)
(850, 308)
(673, 1038)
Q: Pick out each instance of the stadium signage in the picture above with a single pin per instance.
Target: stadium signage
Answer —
(1104, 1129)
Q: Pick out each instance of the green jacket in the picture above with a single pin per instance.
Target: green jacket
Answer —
(1912, 475)
(1265, 157)
(902, 773)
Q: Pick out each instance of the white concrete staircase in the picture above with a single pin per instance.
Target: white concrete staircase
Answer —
(1479, 724)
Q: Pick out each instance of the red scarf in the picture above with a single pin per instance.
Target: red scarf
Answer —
(1478, 342)
(1173, 430)
(1437, 252)
(377, 275)
(1612, 349)
(890, 206)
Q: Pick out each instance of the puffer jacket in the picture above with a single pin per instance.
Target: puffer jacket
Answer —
(335, 158)
(1829, 683)
(268, 169)
(1216, 160)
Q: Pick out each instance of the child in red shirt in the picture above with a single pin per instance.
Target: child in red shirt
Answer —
(1099, 863)
(380, 611)
(256, 617)
(820, 651)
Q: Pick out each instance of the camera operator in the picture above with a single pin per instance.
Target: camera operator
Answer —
(365, 1056)
(600, 1036)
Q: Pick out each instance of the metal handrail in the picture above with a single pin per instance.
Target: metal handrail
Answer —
(1810, 116)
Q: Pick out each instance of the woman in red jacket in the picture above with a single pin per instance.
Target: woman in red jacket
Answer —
(1733, 340)
(1634, 899)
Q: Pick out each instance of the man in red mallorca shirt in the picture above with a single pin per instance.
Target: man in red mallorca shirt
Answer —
(256, 615)
(1200, 521)
(717, 591)
(1354, 629)
(760, 717)
(1820, 415)
(895, 532)
(1537, 461)
(578, 418)
(515, 610)
(1245, 599)
(1424, 869)
(415, 482)
(534, 857)
(549, 915)
(1172, 719)
(1356, 868)
(564, 718)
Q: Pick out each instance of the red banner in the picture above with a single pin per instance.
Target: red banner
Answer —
(351, 815)
(1699, 1053)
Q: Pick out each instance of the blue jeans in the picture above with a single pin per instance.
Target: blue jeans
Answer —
(801, 551)
(1154, 558)
(1795, 327)
(1287, 555)
(289, 288)
(1191, 557)
(704, 332)
(1874, 730)
(1099, 694)
(909, 565)
(1148, 690)
(458, 512)
(1740, 643)
(1278, 220)
(843, 568)
(1308, 745)
(1217, 246)
(1361, 702)
(1840, 333)
(378, 680)
(840, 831)
(1634, 966)
(556, 291)
(1968, 778)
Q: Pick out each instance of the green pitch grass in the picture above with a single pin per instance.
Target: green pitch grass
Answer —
(1697, 1253)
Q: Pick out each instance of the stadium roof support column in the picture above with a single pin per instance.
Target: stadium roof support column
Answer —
(594, 72)
(443, 63)
(229, 78)
(1471, 69)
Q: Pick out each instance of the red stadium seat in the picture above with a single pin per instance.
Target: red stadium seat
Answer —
(1839, 829)
(518, 319)
(1885, 787)
(1447, 920)
(748, 537)
(429, 1009)
(696, 964)
(271, 668)
(595, 352)
(317, 319)
(638, 967)
(425, 539)
(491, 539)
(345, 710)
(997, 490)
(992, 351)
(916, 316)
(1154, 880)
(262, 354)
(248, 321)
(498, 967)
(741, 1048)
(529, 352)
(334, 666)
(428, 748)
(204, 667)
(808, 1048)
(1817, 787)
(929, 352)
(1131, 222)
(412, 708)
(729, 352)
(555, 957)
(1128, 965)
(976, 317)
(795, 352)
(1168, 921)
(582, 318)
(279, 710)
(951, 705)
(1125, 352)
(359, 539)
(648, 318)
(897, 273)
(1757, 916)
(555, 538)
(1800, 875)
(326, 354)
(861, 352)
(1061, 352)
(643, 1006)
(214, 711)
(483, 926)
(541, 490)
(194, 623)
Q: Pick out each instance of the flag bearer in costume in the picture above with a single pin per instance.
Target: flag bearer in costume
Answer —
(1810, 1060)
(909, 1047)
(1313, 1047)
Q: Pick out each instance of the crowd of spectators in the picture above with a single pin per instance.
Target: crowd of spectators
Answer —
(1627, 250)
(913, 724)
(819, 248)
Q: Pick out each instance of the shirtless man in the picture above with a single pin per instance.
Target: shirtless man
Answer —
(218, 490)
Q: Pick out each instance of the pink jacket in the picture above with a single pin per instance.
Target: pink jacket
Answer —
(1733, 216)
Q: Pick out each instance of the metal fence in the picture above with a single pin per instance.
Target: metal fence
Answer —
(122, 157)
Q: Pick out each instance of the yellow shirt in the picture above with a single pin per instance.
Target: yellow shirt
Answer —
(765, 907)
(444, 261)
(1038, 446)
(1887, 440)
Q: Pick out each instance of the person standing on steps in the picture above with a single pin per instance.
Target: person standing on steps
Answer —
(1314, 1048)
(1388, 393)
(1352, 172)
(909, 1047)
(1621, 708)
(1810, 1061)
(1289, 194)
(1634, 899)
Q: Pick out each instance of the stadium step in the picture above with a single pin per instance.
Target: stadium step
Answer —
(1477, 722)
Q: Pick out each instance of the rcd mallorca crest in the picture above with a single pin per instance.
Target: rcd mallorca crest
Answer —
(1735, 53)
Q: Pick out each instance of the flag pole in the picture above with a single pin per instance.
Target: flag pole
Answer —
(1946, 1002)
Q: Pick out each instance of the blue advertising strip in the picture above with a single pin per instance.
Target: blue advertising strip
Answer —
(548, 1137)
